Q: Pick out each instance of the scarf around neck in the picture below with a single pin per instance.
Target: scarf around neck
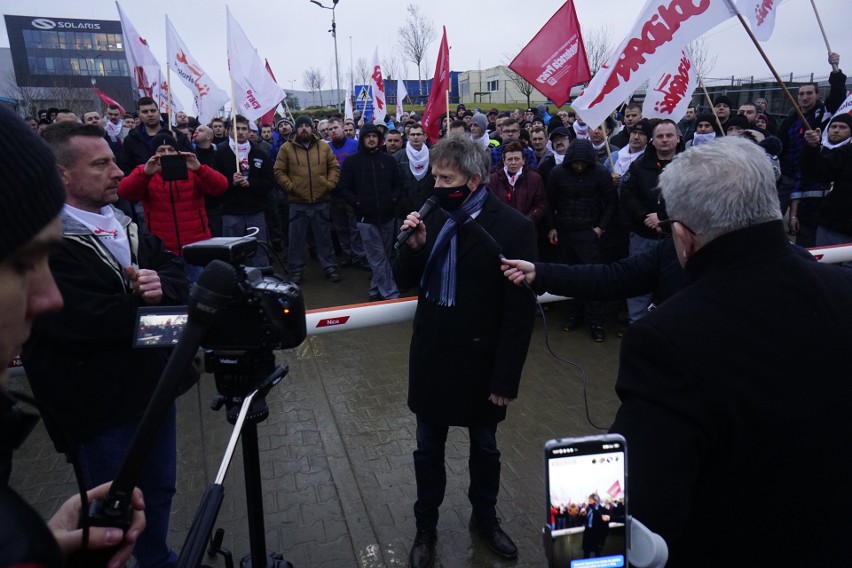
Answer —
(582, 132)
(440, 274)
(418, 161)
(244, 149)
(513, 179)
(625, 158)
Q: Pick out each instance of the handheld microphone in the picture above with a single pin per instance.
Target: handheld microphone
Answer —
(486, 237)
(211, 293)
(427, 209)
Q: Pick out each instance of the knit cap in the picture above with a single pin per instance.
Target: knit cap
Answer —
(31, 192)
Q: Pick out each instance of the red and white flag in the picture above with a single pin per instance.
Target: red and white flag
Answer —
(663, 29)
(401, 93)
(169, 103)
(668, 96)
(208, 98)
(377, 85)
(436, 107)
(269, 117)
(108, 100)
(555, 59)
(143, 64)
(614, 490)
(254, 90)
(761, 16)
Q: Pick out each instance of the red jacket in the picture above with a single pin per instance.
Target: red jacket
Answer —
(528, 196)
(174, 210)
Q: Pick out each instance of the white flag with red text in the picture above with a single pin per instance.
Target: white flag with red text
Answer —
(255, 92)
(663, 29)
(143, 65)
(380, 108)
(761, 16)
(208, 98)
(401, 93)
(844, 108)
(668, 95)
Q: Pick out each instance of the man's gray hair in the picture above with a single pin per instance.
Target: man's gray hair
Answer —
(461, 153)
(720, 187)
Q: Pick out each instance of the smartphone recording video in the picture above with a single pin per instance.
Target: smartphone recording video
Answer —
(587, 501)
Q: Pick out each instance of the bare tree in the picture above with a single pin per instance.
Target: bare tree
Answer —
(415, 36)
(391, 66)
(362, 71)
(525, 87)
(314, 80)
(704, 62)
(599, 47)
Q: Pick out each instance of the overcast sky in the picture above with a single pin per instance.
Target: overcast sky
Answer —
(292, 34)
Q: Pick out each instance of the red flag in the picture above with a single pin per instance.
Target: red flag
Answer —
(614, 490)
(436, 108)
(269, 117)
(108, 100)
(555, 59)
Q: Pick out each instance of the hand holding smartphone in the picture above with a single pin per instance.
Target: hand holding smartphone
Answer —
(586, 501)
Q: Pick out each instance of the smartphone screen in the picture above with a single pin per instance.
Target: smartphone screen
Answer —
(587, 501)
(174, 168)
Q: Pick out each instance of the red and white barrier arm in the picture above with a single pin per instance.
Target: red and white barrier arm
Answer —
(832, 254)
(355, 316)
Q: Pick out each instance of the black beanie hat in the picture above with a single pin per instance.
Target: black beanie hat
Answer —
(163, 139)
(304, 119)
(31, 192)
(711, 118)
(737, 120)
(845, 118)
(722, 99)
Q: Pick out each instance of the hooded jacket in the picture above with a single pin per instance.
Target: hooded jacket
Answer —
(174, 210)
(370, 181)
(307, 174)
(581, 201)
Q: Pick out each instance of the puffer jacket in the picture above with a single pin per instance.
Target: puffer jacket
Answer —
(174, 210)
(308, 175)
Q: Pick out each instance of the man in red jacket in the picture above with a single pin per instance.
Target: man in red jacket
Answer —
(174, 209)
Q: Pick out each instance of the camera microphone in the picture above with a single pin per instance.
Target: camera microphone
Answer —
(427, 209)
(211, 293)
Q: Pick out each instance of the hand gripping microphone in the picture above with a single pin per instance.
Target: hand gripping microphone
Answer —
(210, 294)
(427, 209)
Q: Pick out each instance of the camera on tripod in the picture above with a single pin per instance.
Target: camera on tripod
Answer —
(266, 312)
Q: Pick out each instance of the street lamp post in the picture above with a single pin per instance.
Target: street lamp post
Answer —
(333, 31)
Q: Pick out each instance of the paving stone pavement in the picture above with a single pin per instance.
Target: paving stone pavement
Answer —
(335, 452)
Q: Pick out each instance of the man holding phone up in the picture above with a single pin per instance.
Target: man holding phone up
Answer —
(171, 186)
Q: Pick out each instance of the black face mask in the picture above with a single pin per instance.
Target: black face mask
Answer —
(450, 198)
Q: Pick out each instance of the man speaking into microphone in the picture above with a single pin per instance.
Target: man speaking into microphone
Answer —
(471, 332)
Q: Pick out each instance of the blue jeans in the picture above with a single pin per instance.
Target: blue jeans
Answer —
(377, 241)
(431, 476)
(317, 216)
(238, 225)
(100, 458)
(637, 306)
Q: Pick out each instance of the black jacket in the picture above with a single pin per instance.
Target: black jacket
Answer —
(137, 147)
(640, 192)
(461, 354)
(835, 165)
(80, 361)
(370, 182)
(714, 406)
(238, 200)
(414, 192)
(581, 201)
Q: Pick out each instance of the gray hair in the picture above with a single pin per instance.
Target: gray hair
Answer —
(720, 187)
(461, 153)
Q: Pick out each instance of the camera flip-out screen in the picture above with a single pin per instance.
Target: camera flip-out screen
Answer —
(159, 326)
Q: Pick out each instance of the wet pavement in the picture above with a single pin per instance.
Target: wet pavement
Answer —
(335, 451)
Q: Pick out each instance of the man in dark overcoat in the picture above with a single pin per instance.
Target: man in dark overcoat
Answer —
(471, 333)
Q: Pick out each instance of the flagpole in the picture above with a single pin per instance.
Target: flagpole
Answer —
(710, 102)
(608, 149)
(169, 96)
(448, 112)
(834, 67)
(234, 127)
(769, 64)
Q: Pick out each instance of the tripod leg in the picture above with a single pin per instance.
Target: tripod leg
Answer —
(254, 496)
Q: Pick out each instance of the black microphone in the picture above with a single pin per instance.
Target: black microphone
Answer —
(211, 293)
(427, 209)
(486, 237)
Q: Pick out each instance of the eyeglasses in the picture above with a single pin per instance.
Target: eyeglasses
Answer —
(668, 223)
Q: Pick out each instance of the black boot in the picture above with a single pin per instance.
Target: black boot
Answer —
(498, 541)
(422, 553)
